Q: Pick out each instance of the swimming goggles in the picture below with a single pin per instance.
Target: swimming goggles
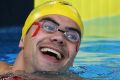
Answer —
(70, 34)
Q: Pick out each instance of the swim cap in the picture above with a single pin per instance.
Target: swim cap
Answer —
(59, 7)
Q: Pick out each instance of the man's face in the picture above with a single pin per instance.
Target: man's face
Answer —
(49, 51)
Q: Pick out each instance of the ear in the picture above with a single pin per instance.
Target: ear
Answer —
(21, 43)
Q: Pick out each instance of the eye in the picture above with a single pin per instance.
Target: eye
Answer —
(49, 26)
(72, 36)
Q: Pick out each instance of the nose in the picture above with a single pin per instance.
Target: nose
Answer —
(58, 38)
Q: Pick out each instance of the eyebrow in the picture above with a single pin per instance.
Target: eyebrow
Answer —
(50, 19)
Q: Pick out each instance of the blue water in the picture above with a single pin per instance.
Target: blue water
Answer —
(98, 58)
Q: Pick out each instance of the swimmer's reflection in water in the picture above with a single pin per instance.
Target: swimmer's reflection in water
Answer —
(50, 39)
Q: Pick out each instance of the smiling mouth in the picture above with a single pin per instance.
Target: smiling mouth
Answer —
(52, 53)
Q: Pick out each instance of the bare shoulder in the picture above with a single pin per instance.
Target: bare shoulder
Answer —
(4, 67)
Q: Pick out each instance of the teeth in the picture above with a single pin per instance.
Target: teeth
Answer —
(53, 51)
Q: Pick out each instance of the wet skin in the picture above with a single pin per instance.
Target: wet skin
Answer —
(32, 59)
(36, 60)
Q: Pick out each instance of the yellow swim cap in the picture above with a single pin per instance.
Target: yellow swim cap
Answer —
(52, 7)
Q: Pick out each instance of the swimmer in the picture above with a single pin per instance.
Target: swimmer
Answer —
(50, 39)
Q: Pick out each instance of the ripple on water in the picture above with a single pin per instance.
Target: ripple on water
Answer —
(102, 47)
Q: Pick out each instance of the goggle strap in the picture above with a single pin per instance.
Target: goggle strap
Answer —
(38, 28)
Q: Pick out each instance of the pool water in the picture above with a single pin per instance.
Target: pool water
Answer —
(98, 57)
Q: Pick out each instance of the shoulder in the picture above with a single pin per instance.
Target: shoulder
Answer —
(4, 67)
